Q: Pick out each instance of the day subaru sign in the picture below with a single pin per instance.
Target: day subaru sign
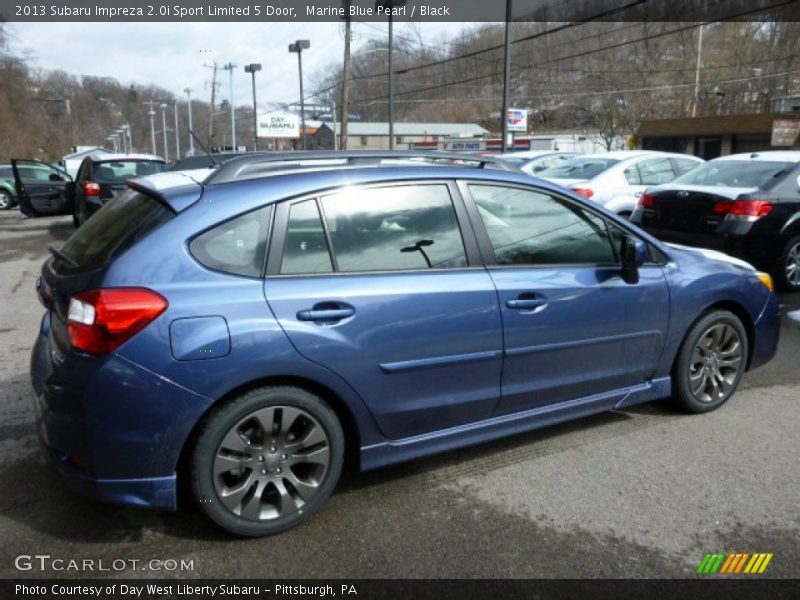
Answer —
(279, 124)
(517, 119)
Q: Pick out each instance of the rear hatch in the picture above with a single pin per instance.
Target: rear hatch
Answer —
(81, 263)
(111, 175)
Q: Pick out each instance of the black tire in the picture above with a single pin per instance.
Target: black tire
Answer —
(75, 220)
(267, 478)
(6, 200)
(706, 375)
(787, 279)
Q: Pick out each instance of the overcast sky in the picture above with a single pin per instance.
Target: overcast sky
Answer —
(172, 55)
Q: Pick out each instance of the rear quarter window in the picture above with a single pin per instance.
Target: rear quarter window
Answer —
(237, 246)
(117, 226)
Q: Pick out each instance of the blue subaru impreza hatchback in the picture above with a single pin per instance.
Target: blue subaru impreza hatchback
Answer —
(244, 329)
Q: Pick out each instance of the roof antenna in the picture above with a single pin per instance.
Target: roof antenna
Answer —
(214, 161)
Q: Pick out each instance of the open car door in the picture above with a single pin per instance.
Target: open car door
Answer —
(42, 189)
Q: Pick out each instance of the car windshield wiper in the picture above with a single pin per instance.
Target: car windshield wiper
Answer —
(62, 256)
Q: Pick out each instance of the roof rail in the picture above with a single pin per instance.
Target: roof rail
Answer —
(257, 165)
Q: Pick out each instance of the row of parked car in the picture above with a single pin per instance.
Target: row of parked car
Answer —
(745, 205)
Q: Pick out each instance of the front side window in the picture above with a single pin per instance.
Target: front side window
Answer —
(237, 246)
(527, 227)
(394, 228)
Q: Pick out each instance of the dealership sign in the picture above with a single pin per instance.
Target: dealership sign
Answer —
(279, 124)
(517, 119)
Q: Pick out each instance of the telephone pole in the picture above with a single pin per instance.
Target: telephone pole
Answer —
(230, 67)
(191, 137)
(345, 82)
(177, 134)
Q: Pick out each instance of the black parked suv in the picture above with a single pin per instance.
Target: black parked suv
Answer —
(746, 205)
(100, 177)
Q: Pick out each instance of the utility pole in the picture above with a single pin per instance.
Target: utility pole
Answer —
(177, 134)
(253, 68)
(211, 107)
(389, 5)
(345, 81)
(191, 137)
(152, 114)
(506, 75)
(164, 130)
(298, 47)
(230, 67)
(697, 71)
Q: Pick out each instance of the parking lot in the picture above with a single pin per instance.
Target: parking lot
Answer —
(644, 492)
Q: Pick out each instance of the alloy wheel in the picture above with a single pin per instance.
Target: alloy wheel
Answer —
(271, 463)
(5, 201)
(793, 265)
(715, 363)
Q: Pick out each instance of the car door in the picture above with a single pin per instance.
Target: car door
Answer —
(384, 286)
(573, 328)
(42, 189)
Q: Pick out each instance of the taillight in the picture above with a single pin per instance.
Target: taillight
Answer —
(647, 201)
(587, 192)
(101, 320)
(91, 188)
(751, 209)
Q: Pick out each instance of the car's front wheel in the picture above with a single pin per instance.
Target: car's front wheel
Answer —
(267, 460)
(710, 362)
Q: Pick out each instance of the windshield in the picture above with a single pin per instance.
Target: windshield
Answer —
(120, 170)
(579, 168)
(735, 173)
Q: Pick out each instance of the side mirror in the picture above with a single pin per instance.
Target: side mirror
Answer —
(634, 255)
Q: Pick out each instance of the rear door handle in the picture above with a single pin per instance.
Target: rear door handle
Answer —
(326, 314)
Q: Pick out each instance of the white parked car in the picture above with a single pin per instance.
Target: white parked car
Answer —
(617, 179)
(533, 162)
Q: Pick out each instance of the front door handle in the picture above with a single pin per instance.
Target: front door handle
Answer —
(526, 301)
(326, 312)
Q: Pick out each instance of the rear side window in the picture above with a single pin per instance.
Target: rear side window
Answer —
(685, 165)
(237, 246)
(654, 172)
(395, 228)
(737, 173)
(113, 229)
(306, 250)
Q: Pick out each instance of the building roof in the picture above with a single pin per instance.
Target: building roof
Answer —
(718, 125)
(440, 129)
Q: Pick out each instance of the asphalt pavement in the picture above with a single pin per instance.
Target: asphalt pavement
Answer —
(644, 492)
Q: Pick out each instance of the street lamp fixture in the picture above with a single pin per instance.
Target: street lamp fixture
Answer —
(253, 68)
(298, 48)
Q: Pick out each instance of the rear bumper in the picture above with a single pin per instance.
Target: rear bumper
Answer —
(115, 431)
(760, 251)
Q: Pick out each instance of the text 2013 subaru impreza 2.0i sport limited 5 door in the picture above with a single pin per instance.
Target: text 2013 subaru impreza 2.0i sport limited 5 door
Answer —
(244, 329)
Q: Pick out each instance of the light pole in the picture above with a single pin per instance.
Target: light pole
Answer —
(506, 75)
(127, 128)
(152, 114)
(230, 67)
(123, 142)
(191, 137)
(164, 130)
(253, 68)
(298, 47)
(389, 5)
(177, 134)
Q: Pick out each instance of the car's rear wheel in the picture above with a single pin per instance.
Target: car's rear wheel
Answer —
(710, 362)
(6, 202)
(267, 460)
(788, 269)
